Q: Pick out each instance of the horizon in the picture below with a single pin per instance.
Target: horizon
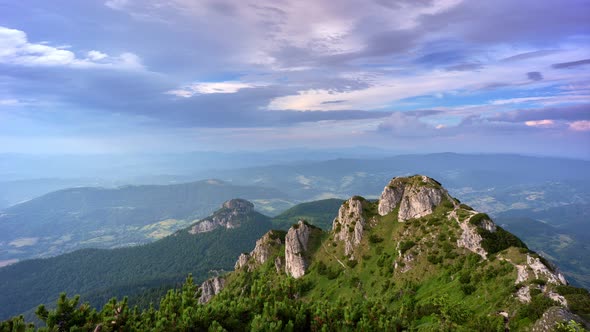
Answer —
(175, 76)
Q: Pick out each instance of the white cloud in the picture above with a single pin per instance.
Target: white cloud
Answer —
(388, 88)
(540, 123)
(15, 49)
(212, 87)
(96, 55)
(583, 125)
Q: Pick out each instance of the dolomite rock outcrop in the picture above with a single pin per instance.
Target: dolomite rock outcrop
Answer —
(350, 224)
(210, 288)
(417, 196)
(229, 216)
(296, 246)
(265, 247)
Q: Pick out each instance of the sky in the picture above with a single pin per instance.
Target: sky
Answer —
(411, 76)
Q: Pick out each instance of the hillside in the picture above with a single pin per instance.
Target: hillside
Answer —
(99, 274)
(416, 259)
(319, 213)
(207, 246)
(70, 219)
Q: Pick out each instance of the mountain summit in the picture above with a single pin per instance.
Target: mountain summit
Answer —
(417, 249)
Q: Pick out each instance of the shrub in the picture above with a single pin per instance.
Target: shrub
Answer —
(406, 245)
(468, 289)
(374, 238)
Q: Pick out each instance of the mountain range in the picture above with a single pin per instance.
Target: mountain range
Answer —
(414, 259)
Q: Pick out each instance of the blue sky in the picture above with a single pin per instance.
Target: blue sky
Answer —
(120, 76)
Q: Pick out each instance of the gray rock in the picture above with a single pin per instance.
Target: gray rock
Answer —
(296, 243)
(242, 261)
(229, 216)
(349, 225)
(265, 247)
(416, 196)
(418, 202)
(210, 288)
(390, 197)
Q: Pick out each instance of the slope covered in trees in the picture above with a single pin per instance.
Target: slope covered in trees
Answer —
(414, 260)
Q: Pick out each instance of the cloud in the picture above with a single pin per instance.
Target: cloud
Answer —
(212, 87)
(567, 113)
(583, 125)
(465, 67)
(15, 49)
(540, 123)
(571, 64)
(534, 76)
(529, 55)
(400, 124)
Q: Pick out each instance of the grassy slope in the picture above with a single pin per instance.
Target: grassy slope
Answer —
(441, 274)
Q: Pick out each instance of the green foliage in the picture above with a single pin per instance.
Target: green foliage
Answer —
(479, 218)
(570, 326)
(499, 240)
(99, 275)
(406, 245)
(374, 238)
(319, 213)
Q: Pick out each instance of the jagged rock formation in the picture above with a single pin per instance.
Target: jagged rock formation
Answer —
(265, 247)
(470, 238)
(296, 246)
(350, 224)
(417, 196)
(211, 287)
(229, 216)
(553, 316)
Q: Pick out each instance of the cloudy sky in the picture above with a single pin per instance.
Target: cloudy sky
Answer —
(416, 76)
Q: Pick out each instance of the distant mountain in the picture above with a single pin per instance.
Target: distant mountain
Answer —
(71, 219)
(207, 247)
(416, 259)
(319, 213)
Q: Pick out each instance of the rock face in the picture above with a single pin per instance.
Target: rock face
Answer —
(209, 288)
(349, 225)
(264, 249)
(417, 196)
(553, 316)
(296, 246)
(229, 216)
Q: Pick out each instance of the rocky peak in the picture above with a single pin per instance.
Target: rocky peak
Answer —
(265, 247)
(350, 224)
(210, 288)
(229, 216)
(296, 246)
(239, 205)
(416, 196)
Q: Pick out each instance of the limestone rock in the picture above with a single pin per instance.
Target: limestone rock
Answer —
(296, 246)
(416, 196)
(418, 202)
(210, 288)
(349, 225)
(390, 197)
(242, 261)
(265, 247)
(553, 316)
(229, 216)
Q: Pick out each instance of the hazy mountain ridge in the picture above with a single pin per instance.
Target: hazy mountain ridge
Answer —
(75, 218)
(99, 274)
